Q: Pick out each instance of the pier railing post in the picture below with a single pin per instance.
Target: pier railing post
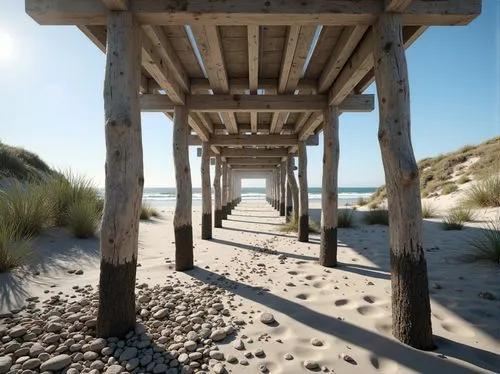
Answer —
(411, 313)
(329, 190)
(218, 193)
(206, 192)
(124, 177)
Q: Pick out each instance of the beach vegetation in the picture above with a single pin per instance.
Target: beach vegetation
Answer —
(293, 226)
(448, 188)
(148, 212)
(486, 245)
(429, 210)
(361, 201)
(22, 165)
(84, 216)
(463, 179)
(456, 218)
(345, 218)
(15, 248)
(484, 193)
(376, 217)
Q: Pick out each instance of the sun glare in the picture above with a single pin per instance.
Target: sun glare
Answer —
(6, 47)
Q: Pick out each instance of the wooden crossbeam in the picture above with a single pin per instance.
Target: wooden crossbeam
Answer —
(257, 12)
(253, 152)
(253, 140)
(253, 167)
(254, 161)
(240, 86)
(116, 4)
(396, 6)
(311, 124)
(257, 103)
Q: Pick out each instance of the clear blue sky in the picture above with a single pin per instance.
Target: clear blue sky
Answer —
(52, 81)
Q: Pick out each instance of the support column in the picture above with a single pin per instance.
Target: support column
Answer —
(303, 233)
(411, 313)
(329, 191)
(282, 189)
(206, 193)
(183, 228)
(224, 190)
(277, 189)
(268, 192)
(288, 197)
(293, 186)
(124, 177)
(218, 193)
(230, 182)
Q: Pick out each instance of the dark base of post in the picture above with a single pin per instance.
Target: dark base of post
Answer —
(328, 247)
(183, 248)
(218, 218)
(224, 212)
(206, 226)
(282, 209)
(304, 228)
(289, 210)
(116, 313)
(409, 278)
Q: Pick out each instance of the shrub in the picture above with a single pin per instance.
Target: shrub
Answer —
(147, 212)
(374, 205)
(487, 244)
(429, 210)
(83, 217)
(293, 226)
(485, 193)
(25, 206)
(64, 189)
(449, 188)
(456, 218)
(376, 217)
(14, 248)
(345, 218)
(463, 179)
(361, 201)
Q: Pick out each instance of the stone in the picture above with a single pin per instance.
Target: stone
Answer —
(32, 363)
(56, 363)
(217, 335)
(263, 368)
(162, 313)
(17, 332)
(132, 364)
(190, 345)
(90, 356)
(267, 318)
(244, 362)
(288, 356)
(115, 369)
(310, 364)
(5, 364)
(97, 345)
(316, 342)
(54, 327)
(35, 350)
(219, 369)
(128, 353)
(260, 353)
(348, 359)
(239, 345)
(183, 358)
(216, 355)
(160, 368)
(232, 359)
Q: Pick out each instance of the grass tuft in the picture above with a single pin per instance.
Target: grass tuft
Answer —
(449, 188)
(485, 193)
(361, 201)
(147, 212)
(15, 249)
(463, 179)
(84, 216)
(376, 217)
(457, 217)
(486, 245)
(429, 210)
(293, 226)
(345, 218)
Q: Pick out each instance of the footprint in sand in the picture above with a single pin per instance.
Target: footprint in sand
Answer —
(438, 316)
(342, 302)
(383, 365)
(370, 311)
(369, 299)
(384, 327)
(310, 277)
(302, 296)
(455, 328)
(319, 284)
(293, 272)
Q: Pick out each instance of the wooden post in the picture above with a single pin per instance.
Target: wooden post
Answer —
(277, 188)
(206, 192)
(124, 177)
(288, 202)
(218, 193)
(293, 186)
(282, 189)
(303, 233)
(183, 228)
(329, 193)
(224, 190)
(411, 313)
(230, 186)
(268, 192)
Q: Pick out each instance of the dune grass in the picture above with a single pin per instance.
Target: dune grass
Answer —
(361, 201)
(486, 246)
(456, 218)
(293, 226)
(84, 216)
(15, 248)
(448, 188)
(147, 212)
(485, 193)
(345, 218)
(376, 217)
(429, 210)
(20, 164)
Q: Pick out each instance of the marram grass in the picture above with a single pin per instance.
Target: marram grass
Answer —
(486, 245)
(15, 249)
(147, 212)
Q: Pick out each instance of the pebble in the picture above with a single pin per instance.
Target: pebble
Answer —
(348, 359)
(115, 369)
(260, 353)
(288, 356)
(232, 359)
(316, 342)
(239, 345)
(217, 335)
(219, 369)
(267, 318)
(32, 363)
(56, 363)
(216, 355)
(128, 353)
(162, 313)
(5, 364)
(17, 332)
(310, 364)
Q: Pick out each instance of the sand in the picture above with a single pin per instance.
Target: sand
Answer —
(348, 308)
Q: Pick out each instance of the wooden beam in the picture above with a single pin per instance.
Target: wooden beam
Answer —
(253, 140)
(253, 152)
(253, 33)
(116, 4)
(344, 47)
(292, 38)
(396, 6)
(253, 161)
(258, 12)
(240, 86)
(209, 45)
(311, 124)
(253, 167)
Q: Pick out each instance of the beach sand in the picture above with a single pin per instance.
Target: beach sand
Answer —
(347, 309)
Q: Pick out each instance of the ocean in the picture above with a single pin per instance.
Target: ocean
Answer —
(166, 196)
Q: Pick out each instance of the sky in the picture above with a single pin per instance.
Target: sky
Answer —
(52, 82)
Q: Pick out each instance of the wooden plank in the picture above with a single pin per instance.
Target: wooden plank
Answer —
(258, 12)
(253, 161)
(311, 124)
(348, 40)
(301, 121)
(396, 6)
(253, 167)
(167, 51)
(239, 86)
(253, 152)
(253, 140)
(292, 38)
(116, 4)
(154, 65)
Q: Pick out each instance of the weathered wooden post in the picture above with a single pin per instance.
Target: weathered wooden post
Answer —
(224, 190)
(277, 189)
(282, 189)
(288, 197)
(293, 186)
(124, 177)
(411, 313)
(329, 192)
(230, 186)
(303, 233)
(206, 193)
(183, 228)
(268, 192)
(218, 193)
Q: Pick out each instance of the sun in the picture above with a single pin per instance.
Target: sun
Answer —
(6, 47)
